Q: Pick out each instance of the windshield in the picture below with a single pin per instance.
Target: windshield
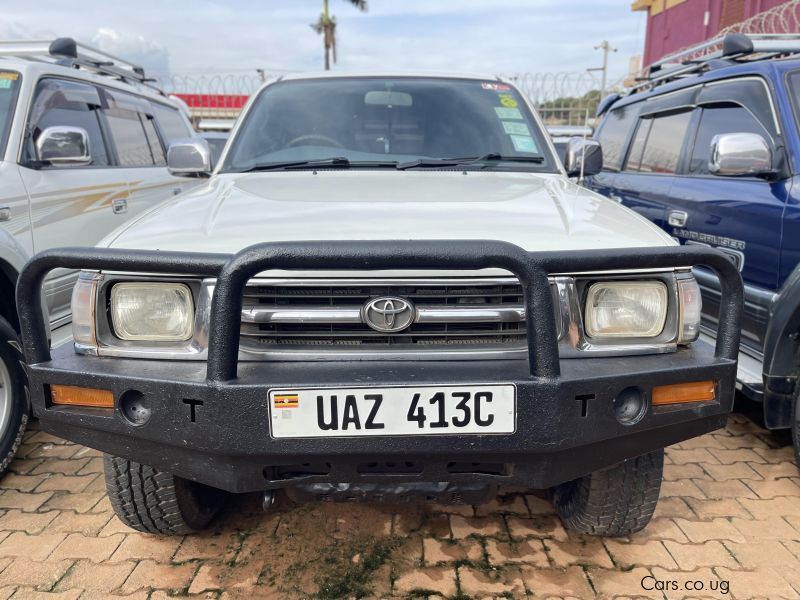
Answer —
(382, 122)
(9, 87)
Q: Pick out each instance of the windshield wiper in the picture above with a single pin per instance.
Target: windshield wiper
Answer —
(467, 160)
(333, 162)
(336, 161)
(429, 162)
(497, 157)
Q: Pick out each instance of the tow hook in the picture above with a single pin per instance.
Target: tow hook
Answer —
(268, 500)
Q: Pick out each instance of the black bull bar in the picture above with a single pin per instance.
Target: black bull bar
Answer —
(232, 273)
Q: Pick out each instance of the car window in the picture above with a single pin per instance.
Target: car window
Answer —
(637, 145)
(216, 145)
(794, 87)
(383, 120)
(613, 134)
(156, 149)
(717, 120)
(67, 103)
(9, 90)
(170, 122)
(751, 93)
(125, 118)
(561, 149)
(662, 148)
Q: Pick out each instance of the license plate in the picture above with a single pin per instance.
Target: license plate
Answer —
(407, 410)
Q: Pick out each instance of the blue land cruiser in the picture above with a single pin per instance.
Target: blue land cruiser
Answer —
(708, 148)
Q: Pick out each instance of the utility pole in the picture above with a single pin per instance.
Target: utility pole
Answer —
(606, 48)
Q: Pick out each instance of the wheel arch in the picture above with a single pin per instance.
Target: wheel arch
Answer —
(781, 365)
(8, 284)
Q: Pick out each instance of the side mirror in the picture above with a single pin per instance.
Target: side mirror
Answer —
(189, 157)
(586, 152)
(63, 146)
(740, 155)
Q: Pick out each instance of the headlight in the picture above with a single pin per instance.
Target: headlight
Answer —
(161, 312)
(626, 309)
(691, 307)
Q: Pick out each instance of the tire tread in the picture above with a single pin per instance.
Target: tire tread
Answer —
(152, 501)
(616, 501)
(11, 341)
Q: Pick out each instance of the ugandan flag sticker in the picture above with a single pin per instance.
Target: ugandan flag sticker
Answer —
(286, 401)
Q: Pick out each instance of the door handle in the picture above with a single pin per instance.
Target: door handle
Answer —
(119, 205)
(5, 213)
(677, 218)
(176, 191)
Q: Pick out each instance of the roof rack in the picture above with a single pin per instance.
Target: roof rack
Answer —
(718, 52)
(69, 53)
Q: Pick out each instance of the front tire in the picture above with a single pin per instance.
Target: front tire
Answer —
(616, 501)
(14, 395)
(796, 424)
(153, 501)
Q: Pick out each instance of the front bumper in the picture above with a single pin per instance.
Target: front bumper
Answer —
(565, 428)
(209, 422)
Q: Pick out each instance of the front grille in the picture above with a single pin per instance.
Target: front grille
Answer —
(453, 314)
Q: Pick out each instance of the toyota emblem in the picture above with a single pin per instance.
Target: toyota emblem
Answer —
(388, 314)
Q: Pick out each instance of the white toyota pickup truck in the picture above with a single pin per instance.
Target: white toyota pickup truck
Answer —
(387, 289)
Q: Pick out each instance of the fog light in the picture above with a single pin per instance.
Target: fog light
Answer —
(679, 393)
(67, 395)
(629, 406)
(135, 407)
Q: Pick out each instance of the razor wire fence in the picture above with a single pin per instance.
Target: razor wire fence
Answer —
(565, 98)
(784, 18)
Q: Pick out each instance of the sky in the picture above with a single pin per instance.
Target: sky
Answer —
(183, 37)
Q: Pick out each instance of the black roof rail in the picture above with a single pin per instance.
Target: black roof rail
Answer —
(716, 53)
(69, 53)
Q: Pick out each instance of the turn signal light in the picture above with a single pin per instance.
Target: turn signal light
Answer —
(696, 391)
(78, 396)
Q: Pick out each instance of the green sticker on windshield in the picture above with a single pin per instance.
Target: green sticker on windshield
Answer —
(524, 143)
(516, 128)
(504, 112)
(5, 83)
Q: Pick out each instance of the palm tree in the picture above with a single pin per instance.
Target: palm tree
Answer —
(327, 27)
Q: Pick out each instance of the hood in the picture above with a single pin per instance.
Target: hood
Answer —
(534, 211)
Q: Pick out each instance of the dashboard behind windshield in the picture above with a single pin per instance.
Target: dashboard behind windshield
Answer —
(387, 120)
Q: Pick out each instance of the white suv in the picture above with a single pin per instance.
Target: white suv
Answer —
(389, 288)
(83, 145)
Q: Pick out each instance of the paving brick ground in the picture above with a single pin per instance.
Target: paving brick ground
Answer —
(728, 524)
